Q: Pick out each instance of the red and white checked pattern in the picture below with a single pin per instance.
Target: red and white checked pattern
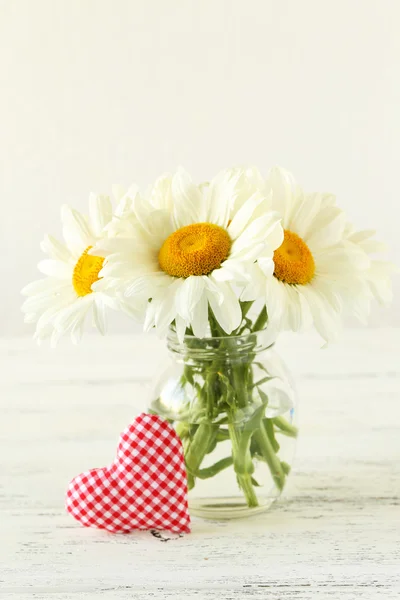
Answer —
(144, 488)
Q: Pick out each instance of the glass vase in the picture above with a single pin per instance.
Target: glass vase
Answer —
(232, 402)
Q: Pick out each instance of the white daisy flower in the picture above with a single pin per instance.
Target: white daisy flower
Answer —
(315, 269)
(184, 250)
(59, 302)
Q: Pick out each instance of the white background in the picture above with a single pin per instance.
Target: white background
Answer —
(94, 92)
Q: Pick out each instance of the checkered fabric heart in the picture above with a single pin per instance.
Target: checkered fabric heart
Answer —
(144, 488)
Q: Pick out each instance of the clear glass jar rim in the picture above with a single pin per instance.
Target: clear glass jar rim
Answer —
(265, 338)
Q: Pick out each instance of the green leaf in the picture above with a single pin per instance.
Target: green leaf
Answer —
(264, 397)
(222, 435)
(213, 442)
(188, 375)
(219, 466)
(254, 422)
(255, 482)
(261, 381)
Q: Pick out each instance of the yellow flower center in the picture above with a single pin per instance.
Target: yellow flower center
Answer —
(195, 249)
(293, 260)
(86, 272)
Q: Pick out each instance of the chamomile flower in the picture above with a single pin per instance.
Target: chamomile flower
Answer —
(315, 268)
(183, 250)
(59, 303)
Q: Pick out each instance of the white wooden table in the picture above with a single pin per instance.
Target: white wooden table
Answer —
(335, 534)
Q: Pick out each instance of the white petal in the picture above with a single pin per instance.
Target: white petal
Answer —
(55, 337)
(111, 298)
(250, 252)
(266, 229)
(199, 320)
(214, 289)
(55, 268)
(255, 289)
(105, 247)
(77, 329)
(364, 241)
(135, 308)
(147, 285)
(100, 213)
(267, 266)
(229, 314)
(297, 316)
(188, 295)
(142, 211)
(30, 318)
(276, 300)
(41, 302)
(361, 236)
(161, 193)
(306, 210)
(244, 215)
(47, 285)
(221, 196)
(250, 181)
(328, 291)
(99, 314)
(180, 325)
(48, 317)
(160, 227)
(326, 320)
(356, 298)
(189, 206)
(342, 258)
(76, 231)
(274, 235)
(232, 270)
(150, 316)
(125, 201)
(329, 230)
(69, 316)
(373, 246)
(379, 279)
(119, 270)
(55, 249)
(39, 337)
(284, 190)
(165, 307)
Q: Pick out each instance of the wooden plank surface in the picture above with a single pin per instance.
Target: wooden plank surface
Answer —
(334, 534)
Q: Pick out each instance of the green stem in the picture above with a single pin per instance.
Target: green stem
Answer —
(285, 427)
(243, 463)
(197, 450)
(268, 454)
(239, 385)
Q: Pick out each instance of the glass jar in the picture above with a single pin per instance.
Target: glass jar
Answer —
(232, 402)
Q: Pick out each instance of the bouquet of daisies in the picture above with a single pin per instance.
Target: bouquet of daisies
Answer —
(227, 258)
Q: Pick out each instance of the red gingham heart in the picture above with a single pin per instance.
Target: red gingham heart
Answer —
(144, 488)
